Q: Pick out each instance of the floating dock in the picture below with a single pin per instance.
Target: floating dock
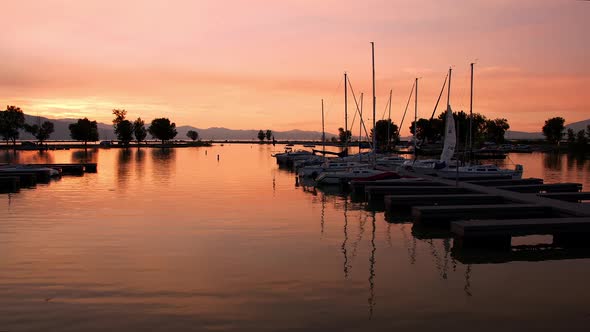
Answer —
(489, 212)
(12, 180)
(567, 232)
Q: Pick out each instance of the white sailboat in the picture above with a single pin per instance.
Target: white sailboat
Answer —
(429, 166)
(473, 170)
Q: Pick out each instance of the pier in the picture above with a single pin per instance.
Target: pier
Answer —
(489, 212)
(13, 179)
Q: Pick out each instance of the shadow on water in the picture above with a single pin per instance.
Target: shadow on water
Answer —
(27, 157)
(85, 156)
(10, 157)
(123, 167)
(372, 261)
(163, 160)
(343, 246)
(139, 163)
(552, 161)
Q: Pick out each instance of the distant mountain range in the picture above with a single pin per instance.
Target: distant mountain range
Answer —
(576, 126)
(105, 131)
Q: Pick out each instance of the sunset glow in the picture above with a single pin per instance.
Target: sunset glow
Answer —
(267, 64)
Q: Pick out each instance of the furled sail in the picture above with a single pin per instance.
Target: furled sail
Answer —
(450, 139)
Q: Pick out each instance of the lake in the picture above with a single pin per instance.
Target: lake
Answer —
(177, 240)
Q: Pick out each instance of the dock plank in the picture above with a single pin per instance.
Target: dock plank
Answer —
(378, 192)
(563, 207)
(404, 201)
(519, 227)
(9, 184)
(506, 182)
(550, 188)
(444, 214)
(568, 196)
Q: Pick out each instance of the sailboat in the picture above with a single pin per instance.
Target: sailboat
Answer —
(430, 166)
(472, 170)
(343, 177)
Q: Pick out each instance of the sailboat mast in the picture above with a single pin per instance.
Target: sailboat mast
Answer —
(471, 116)
(323, 131)
(345, 110)
(449, 89)
(415, 117)
(389, 119)
(361, 124)
(374, 98)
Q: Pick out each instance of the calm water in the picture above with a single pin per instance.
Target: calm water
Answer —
(175, 240)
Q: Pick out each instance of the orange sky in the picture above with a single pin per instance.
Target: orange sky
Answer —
(267, 64)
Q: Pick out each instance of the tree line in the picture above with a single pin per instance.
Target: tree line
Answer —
(432, 130)
(265, 134)
(554, 131)
(12, 121)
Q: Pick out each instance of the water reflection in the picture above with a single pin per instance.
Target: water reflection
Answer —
(343, 246)
(552, 160)
(410, 247)
(371, 298)
(163, 161)
(85, 155)
(467, 287)
(241, 247)
(10, 156)
(139, 163)
(123, 167)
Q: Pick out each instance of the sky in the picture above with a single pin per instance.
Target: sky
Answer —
(257, 64)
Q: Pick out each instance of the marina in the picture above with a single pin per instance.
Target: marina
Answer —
(366, 262)
(326, 166)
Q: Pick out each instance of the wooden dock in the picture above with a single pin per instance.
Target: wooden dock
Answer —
(9, 184)
(71, 169)
(442, 215)
(379, 192)
(484, 233)
(407, 201)
(489, 212)
(358, 187)
(568, 196)
(25, 179)
(15, 178)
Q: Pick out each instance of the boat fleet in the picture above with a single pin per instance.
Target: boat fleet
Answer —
(373, 166)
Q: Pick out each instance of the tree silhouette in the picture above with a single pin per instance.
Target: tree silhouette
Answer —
(381, 129)
(553, 129)
(496, 129)
(162, 129)
(123, 127)
(571, 136)
(11, 120)
(344, 136)
(192, 135)
(261, 135)
(41, 133)
(84, 130)
(268, 134)
(139, 130)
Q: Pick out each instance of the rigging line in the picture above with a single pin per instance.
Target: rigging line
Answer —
(436, 105)
(385, 110)
(407, 104)
(357, 107)
(332, 96)
(439, 96)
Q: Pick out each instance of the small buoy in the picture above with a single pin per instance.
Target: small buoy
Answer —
(217, 157)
